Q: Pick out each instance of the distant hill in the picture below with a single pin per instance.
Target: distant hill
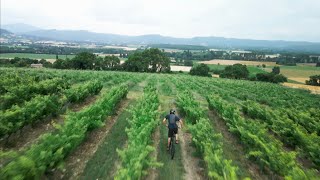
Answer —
(20, 28)
(156, 39)
(4, 32)
(214, 42)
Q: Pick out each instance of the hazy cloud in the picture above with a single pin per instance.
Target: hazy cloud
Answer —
(257, 19)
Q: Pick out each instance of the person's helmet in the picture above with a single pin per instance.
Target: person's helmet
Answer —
(172, 111)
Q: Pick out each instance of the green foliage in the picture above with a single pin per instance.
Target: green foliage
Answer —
(276, 70)
(314, 80)
(200, 70)
(16, 95)
(188, 63)
(135, 159)
(81, 92)
(83, 60)
(209, 144)
(53, 147)
(18, 62)
(32, 111)
(189, 106)
(261, 147)
(149, 60)
(290, 132)
(236, 71)
(271, 77)
(86, 60)
(203, 135)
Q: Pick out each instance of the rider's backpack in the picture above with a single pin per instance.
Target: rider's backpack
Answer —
(172, 119)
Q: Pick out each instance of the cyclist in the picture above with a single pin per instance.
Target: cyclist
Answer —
(172, 125)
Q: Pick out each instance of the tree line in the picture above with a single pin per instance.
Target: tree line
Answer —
(40, 49)
(283, 59)
(239, 71)
(149, 60)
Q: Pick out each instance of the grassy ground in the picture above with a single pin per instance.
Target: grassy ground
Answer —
(298, 73)
(101, 165)
(34, 56)
(252, 69)
(172, 169)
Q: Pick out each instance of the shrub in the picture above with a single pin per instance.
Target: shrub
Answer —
(200, 70)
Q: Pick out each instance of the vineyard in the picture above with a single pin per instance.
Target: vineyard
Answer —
(69, 124)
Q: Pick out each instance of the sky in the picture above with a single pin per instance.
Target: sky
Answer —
(252, 19)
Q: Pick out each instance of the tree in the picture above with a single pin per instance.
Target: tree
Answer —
(314, 80)
(188, 63)
(150, 60)
(111, 62)
(318, 64)
(136, 63)
(158, 60)
(279, 78)
(263, 66)
(271, 77)
(60, 64)
(236, 71)
(200, 70)
(83, 60)
(276, 70)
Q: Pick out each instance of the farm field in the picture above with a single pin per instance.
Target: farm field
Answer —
(252, 69)
(299, 73)
(232, 62)
(313, 89)
(69, 124)
(34, 56)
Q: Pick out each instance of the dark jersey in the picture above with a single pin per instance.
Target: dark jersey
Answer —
(172, 120)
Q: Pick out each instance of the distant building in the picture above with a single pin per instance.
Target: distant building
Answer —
(272, 55)
(315, 58)
(36, 65)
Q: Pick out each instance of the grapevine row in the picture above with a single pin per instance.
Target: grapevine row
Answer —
(39, 107)
(81, 92)
(32, 111)
(19, 94)
(135, 158)
(289, 132)
(208, 142)
(263, 148)
(280, 123)
(54, 147)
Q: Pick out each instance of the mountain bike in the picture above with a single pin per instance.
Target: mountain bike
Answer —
(171, 146)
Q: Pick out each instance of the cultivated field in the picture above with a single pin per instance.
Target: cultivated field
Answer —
(313, 89)
(299, 73)
(180, 68)
(34, 56)
(232, 62)
(65, 124)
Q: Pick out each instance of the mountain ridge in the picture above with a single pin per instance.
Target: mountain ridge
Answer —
(209, 41)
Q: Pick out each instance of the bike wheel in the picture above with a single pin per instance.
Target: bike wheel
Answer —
(172, 149)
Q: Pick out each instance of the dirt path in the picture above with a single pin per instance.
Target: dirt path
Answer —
(185, 165)
(190, 163)
(153, 173)
(29, 135)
